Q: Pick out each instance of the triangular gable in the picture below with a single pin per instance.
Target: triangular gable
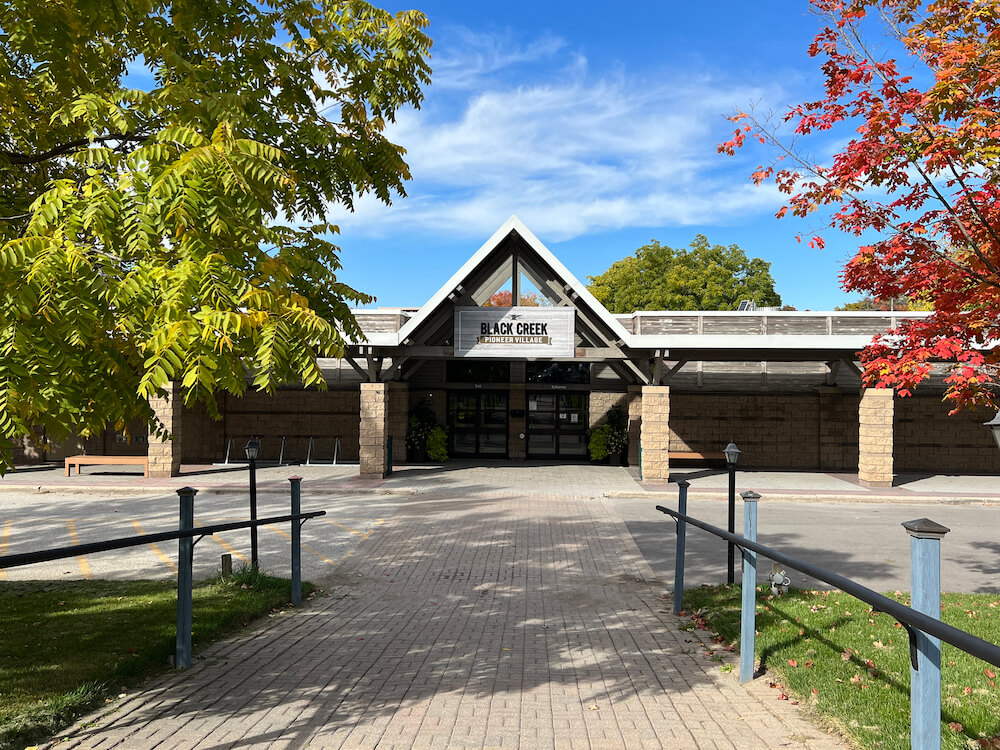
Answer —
(471, 266)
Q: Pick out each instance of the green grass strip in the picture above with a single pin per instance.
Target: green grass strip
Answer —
(69, 646)
(851, 666)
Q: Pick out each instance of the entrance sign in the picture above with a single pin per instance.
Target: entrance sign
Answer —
(515, 332)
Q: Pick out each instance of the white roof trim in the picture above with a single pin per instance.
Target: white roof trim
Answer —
(513, 224)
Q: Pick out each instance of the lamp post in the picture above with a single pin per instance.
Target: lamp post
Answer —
(732, 456)
(253, 451)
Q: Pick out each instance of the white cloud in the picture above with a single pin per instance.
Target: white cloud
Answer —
(476, 55)
(569, 154)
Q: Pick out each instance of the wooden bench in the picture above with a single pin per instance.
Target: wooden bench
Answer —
(81, 461)
(697, 456)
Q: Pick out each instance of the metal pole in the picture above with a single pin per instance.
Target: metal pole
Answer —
(731, 575)
(748, 616)
(253, 513)
(925, 597)
(682, 504)
(185, 564)
(296, 541)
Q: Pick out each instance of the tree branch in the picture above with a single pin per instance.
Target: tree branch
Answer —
(15, 157)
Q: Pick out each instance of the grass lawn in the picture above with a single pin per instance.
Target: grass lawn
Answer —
(68, 646)
(852, 666)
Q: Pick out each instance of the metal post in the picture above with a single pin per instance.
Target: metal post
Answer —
(281, 453)
(731, 574)
(682, 507)
(925, 597)
(748, 616)
(185, 564)
(296, 541)
(253, 513)
(309, 452)
(388, 455)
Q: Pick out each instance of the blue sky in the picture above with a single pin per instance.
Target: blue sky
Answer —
(597, 125)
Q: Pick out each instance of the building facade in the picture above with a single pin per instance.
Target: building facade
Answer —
(529, 382)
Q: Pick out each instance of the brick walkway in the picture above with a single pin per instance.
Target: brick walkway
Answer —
(487, 622)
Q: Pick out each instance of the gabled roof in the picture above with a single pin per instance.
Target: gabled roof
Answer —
(513, 225)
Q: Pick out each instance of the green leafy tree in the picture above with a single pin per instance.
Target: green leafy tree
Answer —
(179, 231)
(702, 277)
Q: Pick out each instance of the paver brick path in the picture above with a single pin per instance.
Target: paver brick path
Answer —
(525, 622)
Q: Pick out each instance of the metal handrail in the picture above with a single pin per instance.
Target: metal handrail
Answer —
(59, 553)
(909, 618)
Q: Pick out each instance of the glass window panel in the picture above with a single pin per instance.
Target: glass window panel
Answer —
(572, 444)
(494, 400)
(541, 402)
(558, 372)
(541, 419)
(542, 444)
(482, 371)
(573, 400)
(493, 442)
(494, 418)
(572, 418)
(465, 442)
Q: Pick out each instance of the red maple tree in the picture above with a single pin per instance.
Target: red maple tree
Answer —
(921, 172)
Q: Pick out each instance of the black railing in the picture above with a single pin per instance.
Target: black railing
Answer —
(186, 536)
(909, 618)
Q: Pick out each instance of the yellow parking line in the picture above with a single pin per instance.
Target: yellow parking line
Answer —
(84, 565)
(156, 548)
(306, 547)
(4, 544)
(227, 547)
(341, 526)
(378, 522)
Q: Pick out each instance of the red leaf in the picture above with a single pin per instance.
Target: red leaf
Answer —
(792, 663)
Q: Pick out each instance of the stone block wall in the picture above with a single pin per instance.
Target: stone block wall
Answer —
(374, 428)
(923, 443)
(655, 432)
(875, 432)
(296, 414)
(165, 451)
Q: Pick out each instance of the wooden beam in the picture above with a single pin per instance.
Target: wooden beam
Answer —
(397, 362)
(854, 368)
(833, 367)
(674, 370)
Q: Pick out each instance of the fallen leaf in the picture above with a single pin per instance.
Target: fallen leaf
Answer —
(878, 644)
(593, 708)
(990, 673)
(955, 726)
(846, 654)
(815, 691)
(808, 664)
(783, 697)
(967, 690)
(792, 663)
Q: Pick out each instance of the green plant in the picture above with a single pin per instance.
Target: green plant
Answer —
(437, 444)
(611, 437)
(419, 425)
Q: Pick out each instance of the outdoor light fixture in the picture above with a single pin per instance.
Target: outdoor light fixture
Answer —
(253, 448)
(253, 451)
(994, 425)
(732, 454)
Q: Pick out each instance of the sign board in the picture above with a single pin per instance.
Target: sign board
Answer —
(511, 332)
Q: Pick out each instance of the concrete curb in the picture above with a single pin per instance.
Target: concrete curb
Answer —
(785, 496)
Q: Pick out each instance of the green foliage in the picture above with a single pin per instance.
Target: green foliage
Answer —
(851, 665)
(897, 303)
(611, 437)
(703, 277)
(67, 645)
(421, 421)
(437, 444)
(179, 232)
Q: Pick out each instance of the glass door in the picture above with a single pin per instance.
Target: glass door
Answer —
(478, 423)
(557, 425)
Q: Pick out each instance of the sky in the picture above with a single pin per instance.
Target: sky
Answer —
(597, 125)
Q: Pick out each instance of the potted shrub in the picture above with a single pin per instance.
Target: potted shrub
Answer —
(437, 444)
(610, 440)
(421, 422)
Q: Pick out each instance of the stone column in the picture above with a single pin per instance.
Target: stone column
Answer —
(165, 454)
(374, 430)
(655, 432)
(399, 412)
(634, 409)
(875, 415)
